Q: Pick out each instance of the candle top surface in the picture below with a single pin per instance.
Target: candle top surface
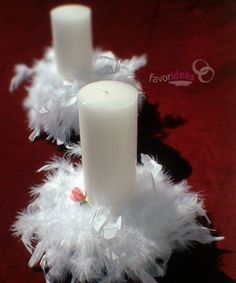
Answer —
(70, 12)
(108, 95)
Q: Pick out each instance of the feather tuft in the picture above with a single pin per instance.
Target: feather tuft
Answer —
(93, 242)
(52, 102)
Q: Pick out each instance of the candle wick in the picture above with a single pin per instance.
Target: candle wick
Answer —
(102, 90)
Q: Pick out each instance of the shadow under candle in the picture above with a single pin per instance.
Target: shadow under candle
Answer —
(152, 130)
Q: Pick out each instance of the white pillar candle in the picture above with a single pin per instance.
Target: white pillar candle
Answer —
(72, 39)
(108, 133)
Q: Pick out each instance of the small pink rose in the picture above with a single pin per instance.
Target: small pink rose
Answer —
(77, 195)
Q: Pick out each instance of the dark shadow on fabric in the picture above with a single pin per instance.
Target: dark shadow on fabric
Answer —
(200, 264)
(152, 131)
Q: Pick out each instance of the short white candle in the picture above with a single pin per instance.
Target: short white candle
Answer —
(108, 132)
(72, 39)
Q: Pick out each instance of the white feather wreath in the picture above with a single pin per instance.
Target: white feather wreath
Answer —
(52, 102)
(93, 243)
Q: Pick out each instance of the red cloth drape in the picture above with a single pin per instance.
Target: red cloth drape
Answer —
(191, 129)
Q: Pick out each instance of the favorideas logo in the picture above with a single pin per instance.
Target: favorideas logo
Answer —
(200, 70)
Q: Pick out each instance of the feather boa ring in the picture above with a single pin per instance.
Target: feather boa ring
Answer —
(52, 102)
(94, 243)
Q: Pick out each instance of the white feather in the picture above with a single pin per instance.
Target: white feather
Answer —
(87, 241)
(73, 150)
(52, 102)
(22, 72)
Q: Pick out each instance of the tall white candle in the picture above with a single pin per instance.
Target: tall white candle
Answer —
(72, 39)
(108, 132)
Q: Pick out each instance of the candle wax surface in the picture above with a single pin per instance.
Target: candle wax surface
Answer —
(108, 133)
(107, 95)
(72, 40)
(71, 12)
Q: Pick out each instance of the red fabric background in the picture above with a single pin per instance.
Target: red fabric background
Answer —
(195, 126)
